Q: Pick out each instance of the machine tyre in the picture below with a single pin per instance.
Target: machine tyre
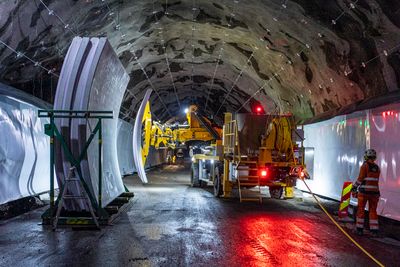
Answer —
(194, 175)
(217, 182)
(276, 192)
(202, 183)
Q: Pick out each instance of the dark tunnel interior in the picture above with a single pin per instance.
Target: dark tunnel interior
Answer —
(190, 181)
(309, 58)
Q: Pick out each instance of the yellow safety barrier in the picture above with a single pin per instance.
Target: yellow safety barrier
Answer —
(345, 201)
(341, 228)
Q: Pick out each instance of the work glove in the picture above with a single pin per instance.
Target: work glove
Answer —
(354, 191)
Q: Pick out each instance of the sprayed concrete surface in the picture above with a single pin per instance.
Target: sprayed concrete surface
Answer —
(170, 223)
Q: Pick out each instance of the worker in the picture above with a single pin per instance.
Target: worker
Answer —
(367, 188)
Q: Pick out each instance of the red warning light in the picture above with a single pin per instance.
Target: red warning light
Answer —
(263, 173)
(388, 113)
(258, 109)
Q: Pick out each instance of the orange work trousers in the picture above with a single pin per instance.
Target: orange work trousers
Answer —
(372, 200)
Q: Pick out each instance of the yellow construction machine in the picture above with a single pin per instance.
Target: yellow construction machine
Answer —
(177, 137)
(256, 150)
(249, 152)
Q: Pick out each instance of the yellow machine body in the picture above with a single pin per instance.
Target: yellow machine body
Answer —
(196, 130)
(146, 132)
(276, 149)
(276, 153)
(163, 136)
(278, 140)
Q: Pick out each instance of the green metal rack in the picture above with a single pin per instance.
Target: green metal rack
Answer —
(75, 218)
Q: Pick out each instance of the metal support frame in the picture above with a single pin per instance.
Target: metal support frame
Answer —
(52, 131)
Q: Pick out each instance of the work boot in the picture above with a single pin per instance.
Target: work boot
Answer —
(360, 231)
(374, 233)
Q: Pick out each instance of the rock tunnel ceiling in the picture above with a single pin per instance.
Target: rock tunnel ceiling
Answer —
(307, 57)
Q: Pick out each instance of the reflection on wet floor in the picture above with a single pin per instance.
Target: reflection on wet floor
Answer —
(170, 223)
(287, 233)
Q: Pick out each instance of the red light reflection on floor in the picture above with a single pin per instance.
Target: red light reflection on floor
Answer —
(278, 240)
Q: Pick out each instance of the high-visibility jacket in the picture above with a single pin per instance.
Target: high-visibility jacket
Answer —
(368, 179)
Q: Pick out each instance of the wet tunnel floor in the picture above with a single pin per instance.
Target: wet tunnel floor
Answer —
(170, 223)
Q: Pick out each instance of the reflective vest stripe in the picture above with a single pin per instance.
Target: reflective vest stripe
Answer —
(360, 223)
(371, 179)
(374, 227)
(369, 186)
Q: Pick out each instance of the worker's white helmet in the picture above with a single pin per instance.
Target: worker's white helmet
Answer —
(370, 154)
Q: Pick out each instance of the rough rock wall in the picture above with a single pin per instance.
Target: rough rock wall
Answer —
(301, 56)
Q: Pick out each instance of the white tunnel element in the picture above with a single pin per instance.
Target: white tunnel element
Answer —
(137, 138)
(92, 78)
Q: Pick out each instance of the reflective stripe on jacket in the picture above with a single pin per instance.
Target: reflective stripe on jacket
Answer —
(368, 179)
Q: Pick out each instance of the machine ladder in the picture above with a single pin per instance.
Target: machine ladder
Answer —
(247, 177)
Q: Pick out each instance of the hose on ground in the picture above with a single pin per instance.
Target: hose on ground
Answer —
(341, 228)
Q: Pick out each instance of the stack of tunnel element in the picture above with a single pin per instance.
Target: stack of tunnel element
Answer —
(92, 78)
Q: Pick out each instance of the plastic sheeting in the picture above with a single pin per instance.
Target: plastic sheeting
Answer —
(384, 138)
(125, 148)
(24, 150)
(338, 148)
(156, 157)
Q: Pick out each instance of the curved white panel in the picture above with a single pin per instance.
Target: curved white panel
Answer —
(137, 138)
(108, 88)
(125, 148)
(64, 100)
(24, 150)
(92, 78)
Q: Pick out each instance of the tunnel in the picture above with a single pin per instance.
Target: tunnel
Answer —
(320, 75)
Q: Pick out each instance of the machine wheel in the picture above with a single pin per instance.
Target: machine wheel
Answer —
(194, 175)
(217, 182)
(202, 183)
(276, 192)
